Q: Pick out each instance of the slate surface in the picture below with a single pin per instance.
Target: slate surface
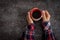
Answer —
(13, 17)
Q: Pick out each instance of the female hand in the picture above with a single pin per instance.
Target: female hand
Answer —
(29, 19)
(45, 16)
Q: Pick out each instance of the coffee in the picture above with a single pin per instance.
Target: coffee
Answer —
(36, 14)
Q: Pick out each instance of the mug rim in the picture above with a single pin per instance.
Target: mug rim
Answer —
(32, 13)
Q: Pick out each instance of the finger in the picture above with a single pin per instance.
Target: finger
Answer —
(47, 14)
(43, 15)
(29, 14)
(29, 18)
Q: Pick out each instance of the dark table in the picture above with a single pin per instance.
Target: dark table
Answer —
(13, 17)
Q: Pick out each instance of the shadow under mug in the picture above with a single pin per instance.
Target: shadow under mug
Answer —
(36, 14)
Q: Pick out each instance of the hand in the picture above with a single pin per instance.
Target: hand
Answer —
(45, 16)
(29, 19)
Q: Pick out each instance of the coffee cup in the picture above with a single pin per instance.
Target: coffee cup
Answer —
(36, 14)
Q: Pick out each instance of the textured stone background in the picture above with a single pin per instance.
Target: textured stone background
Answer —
(13, 17)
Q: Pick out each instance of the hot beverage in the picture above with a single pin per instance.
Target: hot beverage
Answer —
(36, 14)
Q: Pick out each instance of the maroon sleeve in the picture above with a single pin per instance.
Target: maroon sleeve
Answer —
(49, 35)
(29, 33)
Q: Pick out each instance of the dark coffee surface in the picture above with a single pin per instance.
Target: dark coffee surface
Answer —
(36, 14)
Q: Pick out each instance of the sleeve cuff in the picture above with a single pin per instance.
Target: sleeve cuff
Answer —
(31, 26)
(46, 23)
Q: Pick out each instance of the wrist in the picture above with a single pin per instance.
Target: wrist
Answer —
(31, 26)
(30, 22)
(46, 25)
